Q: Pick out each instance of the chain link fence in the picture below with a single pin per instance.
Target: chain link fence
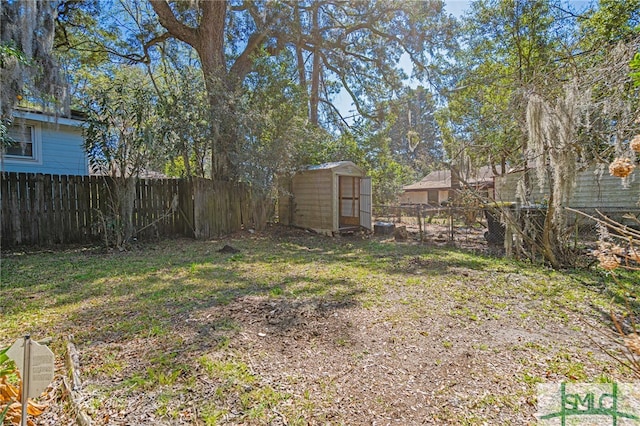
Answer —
(495, 228)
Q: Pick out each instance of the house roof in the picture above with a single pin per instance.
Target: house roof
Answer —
(441, 179)
(75, 119)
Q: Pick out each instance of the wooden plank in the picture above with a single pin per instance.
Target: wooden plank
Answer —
(5, 218)
(137, 216)
(48, 209)
(197, 227)
(165, 206)
(147, 206)
(187, 207)
(23, 212)
(97, 192)
(80, 200)
(81, 207)
(94, 215)
(153, 202)
(32, 218)
(51, 209)
(64, 208)
(179, 223)
(167, 222)
(39, 212)
(153, 207)
(74, 228)
(15, 212)
(56, 207)
(86, 184)
(75, 211)
(171, 222)
(14, 234)
(145, 202)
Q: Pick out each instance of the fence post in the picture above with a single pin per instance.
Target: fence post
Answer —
(419, 214)
(451, 223)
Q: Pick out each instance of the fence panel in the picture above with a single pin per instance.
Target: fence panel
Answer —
(40, 209)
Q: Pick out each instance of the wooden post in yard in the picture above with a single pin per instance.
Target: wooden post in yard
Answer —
(419, 215)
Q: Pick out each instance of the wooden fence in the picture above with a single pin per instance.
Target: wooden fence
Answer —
(40, 209)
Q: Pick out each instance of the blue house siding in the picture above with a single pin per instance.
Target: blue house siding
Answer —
(60, 149)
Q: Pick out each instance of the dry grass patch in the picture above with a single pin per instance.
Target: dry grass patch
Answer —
(299, 329)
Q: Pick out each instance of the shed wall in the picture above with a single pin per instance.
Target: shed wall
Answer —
(313, 206)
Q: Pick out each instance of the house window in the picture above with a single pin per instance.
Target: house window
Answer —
(23, 144)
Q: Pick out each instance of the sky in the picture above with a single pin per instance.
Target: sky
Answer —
(456, 7)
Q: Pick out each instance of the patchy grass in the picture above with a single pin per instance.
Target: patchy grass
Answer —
(302, 329)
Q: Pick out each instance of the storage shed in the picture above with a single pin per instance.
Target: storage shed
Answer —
(328, 198)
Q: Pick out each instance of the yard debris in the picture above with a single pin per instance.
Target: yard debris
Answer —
(9, 394)
(228, 249)
(440, 238)
(400, 233)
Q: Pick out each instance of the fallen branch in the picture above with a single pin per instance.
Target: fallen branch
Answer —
(72, 360)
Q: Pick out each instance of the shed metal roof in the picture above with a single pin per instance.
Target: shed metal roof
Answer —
(333, 165)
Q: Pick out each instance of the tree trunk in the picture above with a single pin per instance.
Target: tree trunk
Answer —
(187, 163)
(208, 41)
(549, 237)
(315, 72)
(302, 73)
(211, 53)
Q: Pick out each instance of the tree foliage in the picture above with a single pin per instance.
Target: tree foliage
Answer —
(350, 45)
(415, 138)
(184, 121)
(356, 46)
(121, 140)
(28, 68)
(507, 48)
(540, 86)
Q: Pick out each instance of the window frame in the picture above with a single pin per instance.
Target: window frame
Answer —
(36, 148)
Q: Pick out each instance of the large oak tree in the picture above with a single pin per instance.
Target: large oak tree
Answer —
(338, 44)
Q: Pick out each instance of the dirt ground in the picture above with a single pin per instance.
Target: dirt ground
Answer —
(432, 355)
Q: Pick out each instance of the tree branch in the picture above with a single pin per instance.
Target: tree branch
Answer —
(170, 22)
(244, 62)
(343, 80)
(153, 42)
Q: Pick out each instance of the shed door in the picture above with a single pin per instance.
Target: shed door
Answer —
(349, 201)
(365, 203)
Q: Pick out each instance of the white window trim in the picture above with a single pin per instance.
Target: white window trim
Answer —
(36, 159)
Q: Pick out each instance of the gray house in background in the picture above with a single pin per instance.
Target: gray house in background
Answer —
(595, 189)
